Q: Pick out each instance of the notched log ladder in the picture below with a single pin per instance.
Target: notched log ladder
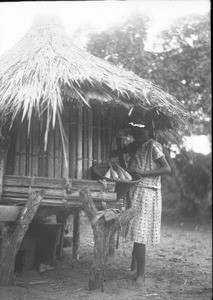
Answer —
(12, 237)
(104, 224)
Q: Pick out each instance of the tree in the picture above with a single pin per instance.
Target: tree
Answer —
(184, 66)
(181, 66)
(123, 44)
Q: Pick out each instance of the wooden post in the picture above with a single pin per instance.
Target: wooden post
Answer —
(2, 163)
(76, 232)
(90, 138)
(72, 142)
(103, 229)
(22, 149)
(12, 238)
(35, 149)
(85, 143)
(99, 135)
(79, 143)
(61, 217)
(79, 174)
(65, 122)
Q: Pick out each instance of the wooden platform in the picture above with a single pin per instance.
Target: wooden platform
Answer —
(57, 191)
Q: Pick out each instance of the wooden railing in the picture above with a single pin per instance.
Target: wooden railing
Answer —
(58, 192)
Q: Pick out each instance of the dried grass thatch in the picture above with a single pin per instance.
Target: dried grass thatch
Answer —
(44, 66)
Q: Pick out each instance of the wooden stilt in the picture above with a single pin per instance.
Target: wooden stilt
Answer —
(61, 217)
(12, 237)
(79, 175)
(103, 229)
(76, 232)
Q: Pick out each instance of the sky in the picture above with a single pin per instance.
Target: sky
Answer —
(16, 17)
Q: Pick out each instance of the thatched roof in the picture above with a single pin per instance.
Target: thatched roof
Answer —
(45, 65)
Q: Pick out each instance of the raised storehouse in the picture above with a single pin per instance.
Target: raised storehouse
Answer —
(60, 110)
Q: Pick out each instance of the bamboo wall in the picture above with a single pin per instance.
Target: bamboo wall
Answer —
(89, 139)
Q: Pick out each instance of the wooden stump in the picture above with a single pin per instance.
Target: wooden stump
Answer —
(12, 237)
(104, 224)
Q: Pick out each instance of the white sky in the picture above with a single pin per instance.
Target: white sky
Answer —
(17, 17)
(199, 144)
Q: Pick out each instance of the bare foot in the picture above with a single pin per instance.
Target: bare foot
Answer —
(133, 266)
(129, 276)
(140, 282)
(133, 276)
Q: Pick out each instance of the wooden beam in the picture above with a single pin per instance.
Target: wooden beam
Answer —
(57, 183)
(12, 238)
(104, 225)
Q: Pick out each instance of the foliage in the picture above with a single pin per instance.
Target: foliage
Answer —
(186, 57)
(181, 66)
(122, 44)
(196, 196)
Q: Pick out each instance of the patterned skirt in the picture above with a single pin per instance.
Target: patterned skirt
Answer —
(146, 225)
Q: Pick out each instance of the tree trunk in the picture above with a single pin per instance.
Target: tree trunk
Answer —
(12, 237)
(104, 224)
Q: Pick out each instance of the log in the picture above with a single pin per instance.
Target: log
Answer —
(104, 225)
(13, 236)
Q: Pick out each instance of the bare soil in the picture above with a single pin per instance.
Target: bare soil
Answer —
(178, 268)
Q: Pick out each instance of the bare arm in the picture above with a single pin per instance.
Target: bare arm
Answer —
(164, 168)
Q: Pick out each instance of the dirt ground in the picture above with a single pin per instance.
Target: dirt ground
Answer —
(179, 268)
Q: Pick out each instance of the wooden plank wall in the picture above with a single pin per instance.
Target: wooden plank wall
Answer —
(88, 140)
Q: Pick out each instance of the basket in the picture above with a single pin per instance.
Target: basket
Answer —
(121, 187)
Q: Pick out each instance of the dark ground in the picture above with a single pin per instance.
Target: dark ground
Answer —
(179, 268)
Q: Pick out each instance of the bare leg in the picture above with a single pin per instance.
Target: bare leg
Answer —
(140, 255)
(133, 262)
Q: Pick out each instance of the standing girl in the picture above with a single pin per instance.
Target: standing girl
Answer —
(147, 159)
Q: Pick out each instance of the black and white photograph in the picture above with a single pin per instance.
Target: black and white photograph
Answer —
(105, 150)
